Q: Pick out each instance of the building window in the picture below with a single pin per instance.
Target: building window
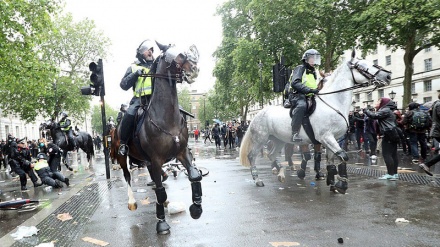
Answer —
(427, 99)
(413, 88)
(375, 51)
(427, 85)
(17, 131)
(7, 130)
(380, 93)
(369, 96)
(428, 49)
(388, 60)
(428, 64)
(357, 97)
(375, 62)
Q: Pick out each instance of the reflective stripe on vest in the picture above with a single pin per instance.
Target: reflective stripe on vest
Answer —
(309, 81)
(143, 84)
(40, 164)
(66, 128)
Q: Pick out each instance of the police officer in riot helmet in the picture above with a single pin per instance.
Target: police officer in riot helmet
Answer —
(141, 86)
(303, 84)
(121, 113)
(66, 126)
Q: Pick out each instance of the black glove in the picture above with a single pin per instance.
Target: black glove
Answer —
(315, 91)
(139, 72)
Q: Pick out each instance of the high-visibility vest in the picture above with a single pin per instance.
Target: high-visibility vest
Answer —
(40, 164)
(66, 128)
(143, 84)
(309, 81)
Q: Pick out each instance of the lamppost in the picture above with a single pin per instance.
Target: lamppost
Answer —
(392, 94)
(204, 109)
(260, 65)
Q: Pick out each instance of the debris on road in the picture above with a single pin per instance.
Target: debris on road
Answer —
(95, 241)
(64, 217)
(401, 220)
(286, 244)
(24, 231)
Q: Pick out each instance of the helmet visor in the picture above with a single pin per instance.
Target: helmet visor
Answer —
(313, 59)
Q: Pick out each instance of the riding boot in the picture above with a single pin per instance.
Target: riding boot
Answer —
(301, 173)
(126, 131)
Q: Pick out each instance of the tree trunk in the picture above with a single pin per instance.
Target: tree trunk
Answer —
(408, 59)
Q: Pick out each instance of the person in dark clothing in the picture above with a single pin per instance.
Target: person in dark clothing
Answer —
(20, 162)
(370, 135)
(387, 125)
(47, 176)
(224, 137)
(207, 134)
(66, 126)
(54, 153)
(142, 90)
(358, 118)
(303, 84)
(435, 134)
(216, 135)
(416, 136)
(240, 134)
(121, 113)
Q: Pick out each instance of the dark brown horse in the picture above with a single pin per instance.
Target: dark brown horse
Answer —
(161, 133)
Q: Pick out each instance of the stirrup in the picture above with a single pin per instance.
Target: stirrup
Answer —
(123, 149)
(296, 138)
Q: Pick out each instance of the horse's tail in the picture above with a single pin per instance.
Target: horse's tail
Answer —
(245, 148)
(90, 147)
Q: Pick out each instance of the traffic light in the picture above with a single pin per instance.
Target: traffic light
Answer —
(97, 78)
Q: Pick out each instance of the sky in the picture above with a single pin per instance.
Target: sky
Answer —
(128, 22)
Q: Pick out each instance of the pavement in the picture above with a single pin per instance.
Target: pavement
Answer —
(236, 212)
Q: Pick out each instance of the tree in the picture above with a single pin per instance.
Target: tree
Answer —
(24, 75)
(184, 99)
(73, 45)
(409, 25)
(97, 116)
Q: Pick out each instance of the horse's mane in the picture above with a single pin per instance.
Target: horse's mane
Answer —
(331, 78)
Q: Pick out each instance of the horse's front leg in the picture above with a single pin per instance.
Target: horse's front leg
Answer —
(317, 157)
(65, 161)
(122, 160)
(194, 177)
(162, 226)
(274, 157)
(340, 173)
(305, 157)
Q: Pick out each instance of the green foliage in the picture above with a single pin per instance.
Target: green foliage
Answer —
(44, 59)
(184, 99)
(97, 117)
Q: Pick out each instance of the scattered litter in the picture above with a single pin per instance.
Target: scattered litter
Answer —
(175, 221)
(141, 190)
(60, 193)
(231, 192)
(64, 217)
(24, 231)
(299, 184)
(176, 207)
(401, 220)
(340, 240)
(312, 183)
(143, 175)
(95, 241)
(287, 244)
(145, 201)
(51, 244)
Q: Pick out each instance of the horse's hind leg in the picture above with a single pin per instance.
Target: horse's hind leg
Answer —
(305, 157)
(317, 156)
(194, 177)
(274, 157)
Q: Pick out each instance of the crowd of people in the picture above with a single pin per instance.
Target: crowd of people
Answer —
(229, 134)
(373, 129)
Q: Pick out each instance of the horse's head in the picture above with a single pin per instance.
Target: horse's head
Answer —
(181, 63)
(368, 73)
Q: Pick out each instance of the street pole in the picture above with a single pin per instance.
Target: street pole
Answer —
(260, 65)
(204, 110)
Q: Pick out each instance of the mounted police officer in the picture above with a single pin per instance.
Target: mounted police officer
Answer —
(142, 89)
(121, 113)
(303, 84)
(66, 126)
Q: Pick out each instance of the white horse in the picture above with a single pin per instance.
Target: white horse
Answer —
(329, 121)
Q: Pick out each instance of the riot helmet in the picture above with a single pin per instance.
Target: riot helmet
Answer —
(41, 156)
(123, 107)
(141, 55)
(63, 115)
(110, 119)
(312, 57)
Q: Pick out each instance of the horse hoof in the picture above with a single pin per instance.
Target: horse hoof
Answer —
(333, 189)
(195, 211)
(162, 227)
(259, 183)
(319, 176)
(341, 186)
(301, 174)
(132, 206)
(274, 170)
